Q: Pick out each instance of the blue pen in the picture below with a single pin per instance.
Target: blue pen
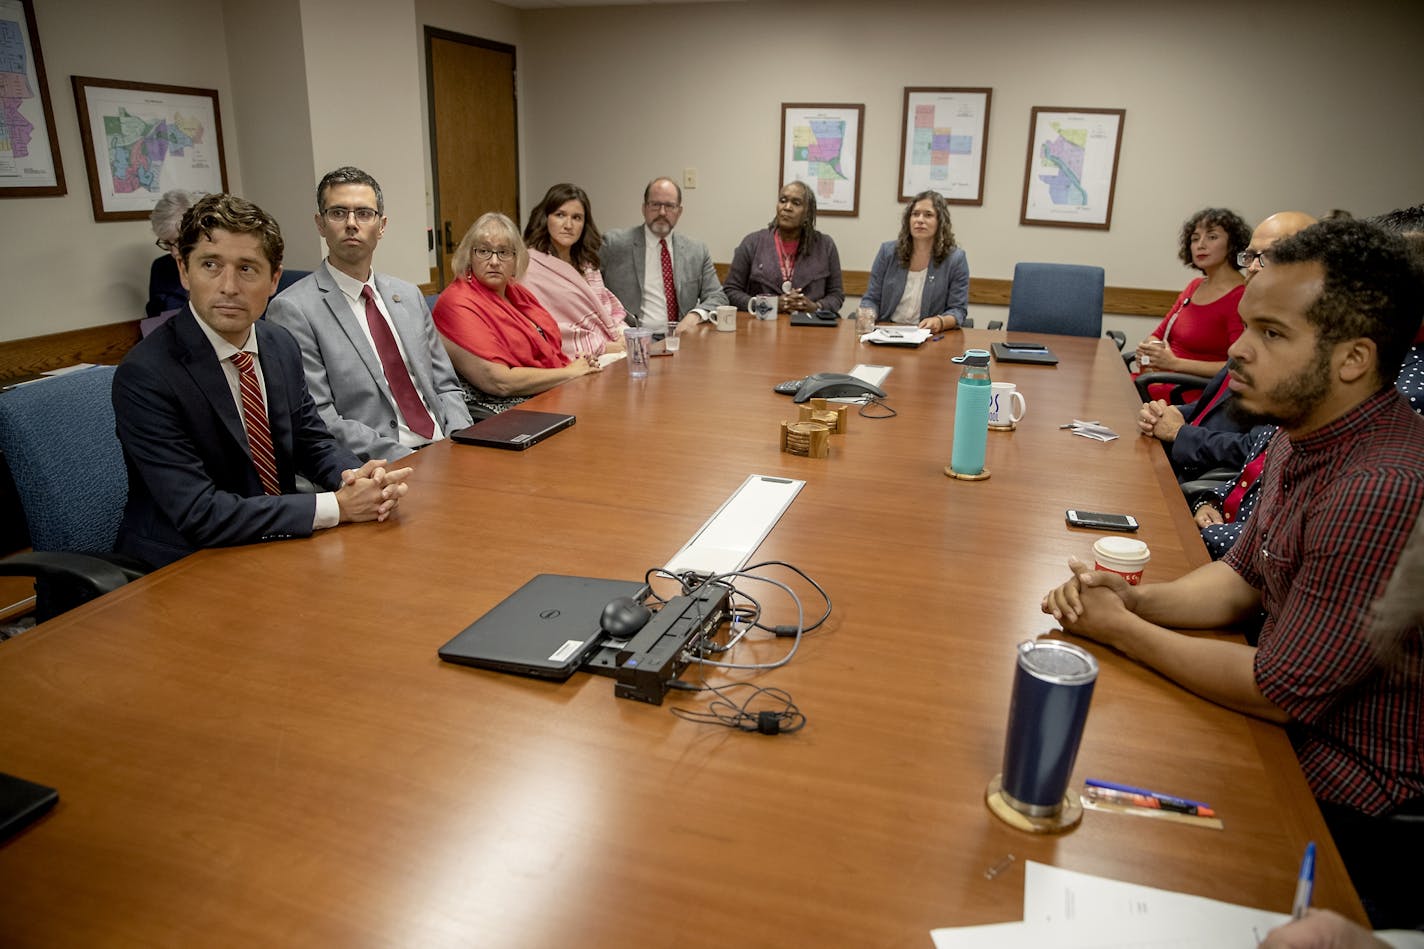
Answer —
(1111, 786)
(1305, 883)
(935, 339)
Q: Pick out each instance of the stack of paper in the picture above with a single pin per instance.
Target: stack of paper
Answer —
(1067, 910)
(896, 336)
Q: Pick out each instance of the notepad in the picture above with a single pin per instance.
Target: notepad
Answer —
(732, 534)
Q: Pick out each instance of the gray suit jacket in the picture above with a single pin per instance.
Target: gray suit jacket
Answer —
(344, 373)
(692, 272)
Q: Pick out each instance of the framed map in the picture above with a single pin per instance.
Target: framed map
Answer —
(1071, 170)
(141, 140)
(820, 146)
(943, 140)
(29, 148)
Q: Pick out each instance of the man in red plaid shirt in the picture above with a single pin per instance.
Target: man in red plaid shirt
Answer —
(1328, 321)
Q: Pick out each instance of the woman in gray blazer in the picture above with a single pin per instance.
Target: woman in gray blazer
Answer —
(922, 277)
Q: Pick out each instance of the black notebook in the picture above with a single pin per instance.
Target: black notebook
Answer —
(1024, 352)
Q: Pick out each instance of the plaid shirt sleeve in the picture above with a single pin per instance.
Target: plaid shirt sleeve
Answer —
(1314, 647)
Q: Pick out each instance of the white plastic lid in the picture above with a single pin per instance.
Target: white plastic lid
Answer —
(1122, 549)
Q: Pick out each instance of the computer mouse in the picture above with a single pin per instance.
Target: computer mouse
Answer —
(624, 616)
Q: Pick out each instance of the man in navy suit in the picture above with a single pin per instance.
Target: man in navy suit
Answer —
(214, 415)
(377, 370)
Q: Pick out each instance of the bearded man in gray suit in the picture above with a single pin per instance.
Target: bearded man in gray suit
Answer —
(634, 266)
(376, 368)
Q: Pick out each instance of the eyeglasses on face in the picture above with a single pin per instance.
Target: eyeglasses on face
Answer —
(339, 215)
(1246, 257)
(485, 253)
(663, 206)
(164, 244)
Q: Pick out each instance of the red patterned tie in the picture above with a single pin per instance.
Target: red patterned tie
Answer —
(397, 376)
(254, 416)
(669, 289)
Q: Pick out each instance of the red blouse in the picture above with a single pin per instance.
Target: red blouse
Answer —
(1202, 331)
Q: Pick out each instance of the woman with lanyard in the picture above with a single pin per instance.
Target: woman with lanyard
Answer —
(788, 259)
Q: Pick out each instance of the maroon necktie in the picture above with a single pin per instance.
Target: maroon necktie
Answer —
(669, 290)
(397, 376)
(254, 417)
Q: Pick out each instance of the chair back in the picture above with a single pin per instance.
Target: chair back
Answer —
(1057, 298)
(59, 440)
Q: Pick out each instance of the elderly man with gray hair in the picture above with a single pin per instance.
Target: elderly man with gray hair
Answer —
(165, 291)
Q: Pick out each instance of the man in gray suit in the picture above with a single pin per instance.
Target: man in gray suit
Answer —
(375, 366)
(635, 262)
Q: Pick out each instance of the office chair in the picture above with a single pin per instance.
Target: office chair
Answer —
(1057, 298)
(1185, 385)
(58, 438)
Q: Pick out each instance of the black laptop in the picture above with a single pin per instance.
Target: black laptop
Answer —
(545, 629)
(1019, 351)
(514, 429)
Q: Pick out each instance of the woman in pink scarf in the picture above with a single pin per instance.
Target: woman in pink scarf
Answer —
(563, 273)
(504, 345)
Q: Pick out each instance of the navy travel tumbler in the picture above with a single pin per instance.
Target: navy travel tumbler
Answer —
(1052, 687)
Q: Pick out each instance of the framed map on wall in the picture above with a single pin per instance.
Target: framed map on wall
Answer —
(29, 148)
(820, 146)
(944, 137)
(1071, 171)
(141, 140)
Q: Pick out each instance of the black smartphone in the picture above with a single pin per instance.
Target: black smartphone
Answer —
(1026, 347)
(1102, 522)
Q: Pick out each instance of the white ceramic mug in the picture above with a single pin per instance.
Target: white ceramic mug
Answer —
(762, 307)
(1001, 405)
(726, 319)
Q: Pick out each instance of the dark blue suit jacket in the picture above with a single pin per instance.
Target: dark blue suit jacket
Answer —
(1217, 441)
(191, 479)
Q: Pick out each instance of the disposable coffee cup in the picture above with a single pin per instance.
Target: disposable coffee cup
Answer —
(1122, 555)
(639, 338)
(726, 319)
(1053, 684)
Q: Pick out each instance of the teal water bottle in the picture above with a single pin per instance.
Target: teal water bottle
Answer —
(971, 413)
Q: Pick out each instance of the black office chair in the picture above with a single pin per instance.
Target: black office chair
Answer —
(1183, 384)
(1056, 298)
(58, 438)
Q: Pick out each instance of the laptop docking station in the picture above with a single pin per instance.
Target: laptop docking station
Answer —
(659, 651)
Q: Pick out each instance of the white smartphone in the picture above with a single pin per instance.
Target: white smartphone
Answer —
(1102, 522)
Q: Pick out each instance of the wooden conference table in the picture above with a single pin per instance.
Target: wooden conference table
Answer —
(258, 746)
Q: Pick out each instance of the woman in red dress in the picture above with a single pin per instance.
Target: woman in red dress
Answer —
(1194, 335)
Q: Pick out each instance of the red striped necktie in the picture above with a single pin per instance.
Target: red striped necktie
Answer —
(254, 417)
(669, 288)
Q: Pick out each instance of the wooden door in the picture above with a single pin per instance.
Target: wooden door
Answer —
(475, 136)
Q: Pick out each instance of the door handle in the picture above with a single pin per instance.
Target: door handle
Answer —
(449, 241)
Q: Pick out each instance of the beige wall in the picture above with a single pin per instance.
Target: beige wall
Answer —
(1331, 117)
(269, 104)
(1327, 118)
(59, 268)
(363, 86)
